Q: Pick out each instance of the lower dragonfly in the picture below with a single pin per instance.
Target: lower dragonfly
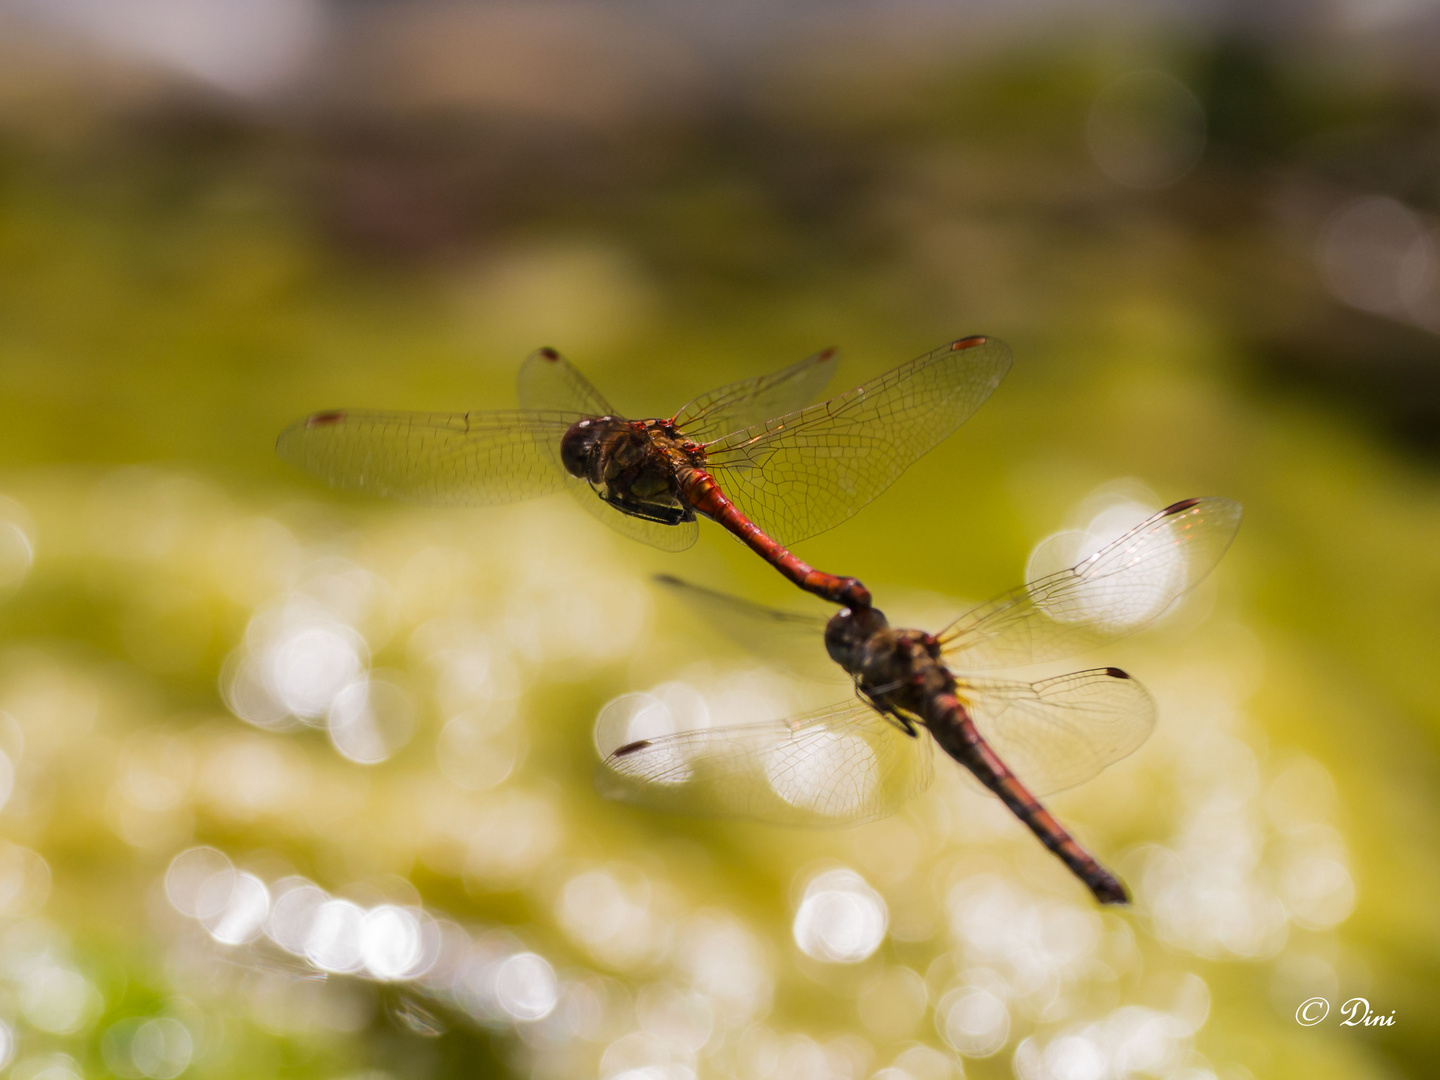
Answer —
(750, 456)
(860, 759)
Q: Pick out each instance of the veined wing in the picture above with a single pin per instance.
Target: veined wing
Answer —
(753, 401)
(1061, 732)
(788, 639)
(1121, 588)
(549, 382)
(439, 459)
(807, 471)
(845, 763)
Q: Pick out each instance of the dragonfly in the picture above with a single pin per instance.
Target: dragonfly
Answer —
(752, 456)
(860, 759)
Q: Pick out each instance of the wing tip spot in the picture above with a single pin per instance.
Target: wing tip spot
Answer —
(1180, 507)
(324, 419)
(968, 342)
(1117, 673)
(631, 748)
(545, 352)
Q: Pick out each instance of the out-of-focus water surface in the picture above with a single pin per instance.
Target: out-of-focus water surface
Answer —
(297, 784)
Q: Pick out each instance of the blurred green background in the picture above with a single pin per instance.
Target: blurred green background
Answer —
(1209, 233)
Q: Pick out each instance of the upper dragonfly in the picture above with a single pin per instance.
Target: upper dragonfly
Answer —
(851, 762)
(749, 455)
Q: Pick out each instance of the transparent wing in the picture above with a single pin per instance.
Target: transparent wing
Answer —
(1061, 732)
(845, 763)
(1121, 588)
(439, 459)
(783, 638)
(550, 382)
(753, 401)
(807, 471)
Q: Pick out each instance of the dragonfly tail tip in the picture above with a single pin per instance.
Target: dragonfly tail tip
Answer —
(1109, 890)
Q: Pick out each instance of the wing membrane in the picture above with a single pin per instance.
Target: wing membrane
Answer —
(549, 382)
(1063, 731)
(807, 471)
(1115, 592)
(438, 459)
(785, 638)
(753, 401)
(842, 764)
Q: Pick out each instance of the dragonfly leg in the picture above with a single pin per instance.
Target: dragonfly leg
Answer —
(664, 515)
(955, 732)
(905, 721)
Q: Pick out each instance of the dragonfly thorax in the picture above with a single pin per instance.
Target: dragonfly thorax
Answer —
(629, 465)
(897, 667)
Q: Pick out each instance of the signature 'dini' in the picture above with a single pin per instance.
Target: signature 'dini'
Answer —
(1356, 1013)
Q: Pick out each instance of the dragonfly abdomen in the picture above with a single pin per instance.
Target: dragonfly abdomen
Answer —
(949, 722)
(700, 491)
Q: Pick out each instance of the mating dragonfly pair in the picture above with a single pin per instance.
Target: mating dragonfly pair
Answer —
(755, 458)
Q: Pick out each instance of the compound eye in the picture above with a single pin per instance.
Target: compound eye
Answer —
(575, 448)
(840, 638)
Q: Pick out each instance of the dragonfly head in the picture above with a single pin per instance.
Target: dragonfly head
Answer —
(848, 631)
(577, 447)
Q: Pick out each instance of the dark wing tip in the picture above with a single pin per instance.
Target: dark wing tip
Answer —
(667, 579)
(325, 419)
(968, 342)
(1180, 507)
(547, 353)
(1117, 673)
(827, 354)
(630, 748)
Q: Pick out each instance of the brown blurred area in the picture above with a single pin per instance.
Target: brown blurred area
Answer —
(943, 149)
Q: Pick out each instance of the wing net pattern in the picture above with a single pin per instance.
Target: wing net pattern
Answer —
(805, 472)
(753, 401)
(1063, 731)
(438, 459)
(1115, 592)
(547, 381)
(840, 764)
